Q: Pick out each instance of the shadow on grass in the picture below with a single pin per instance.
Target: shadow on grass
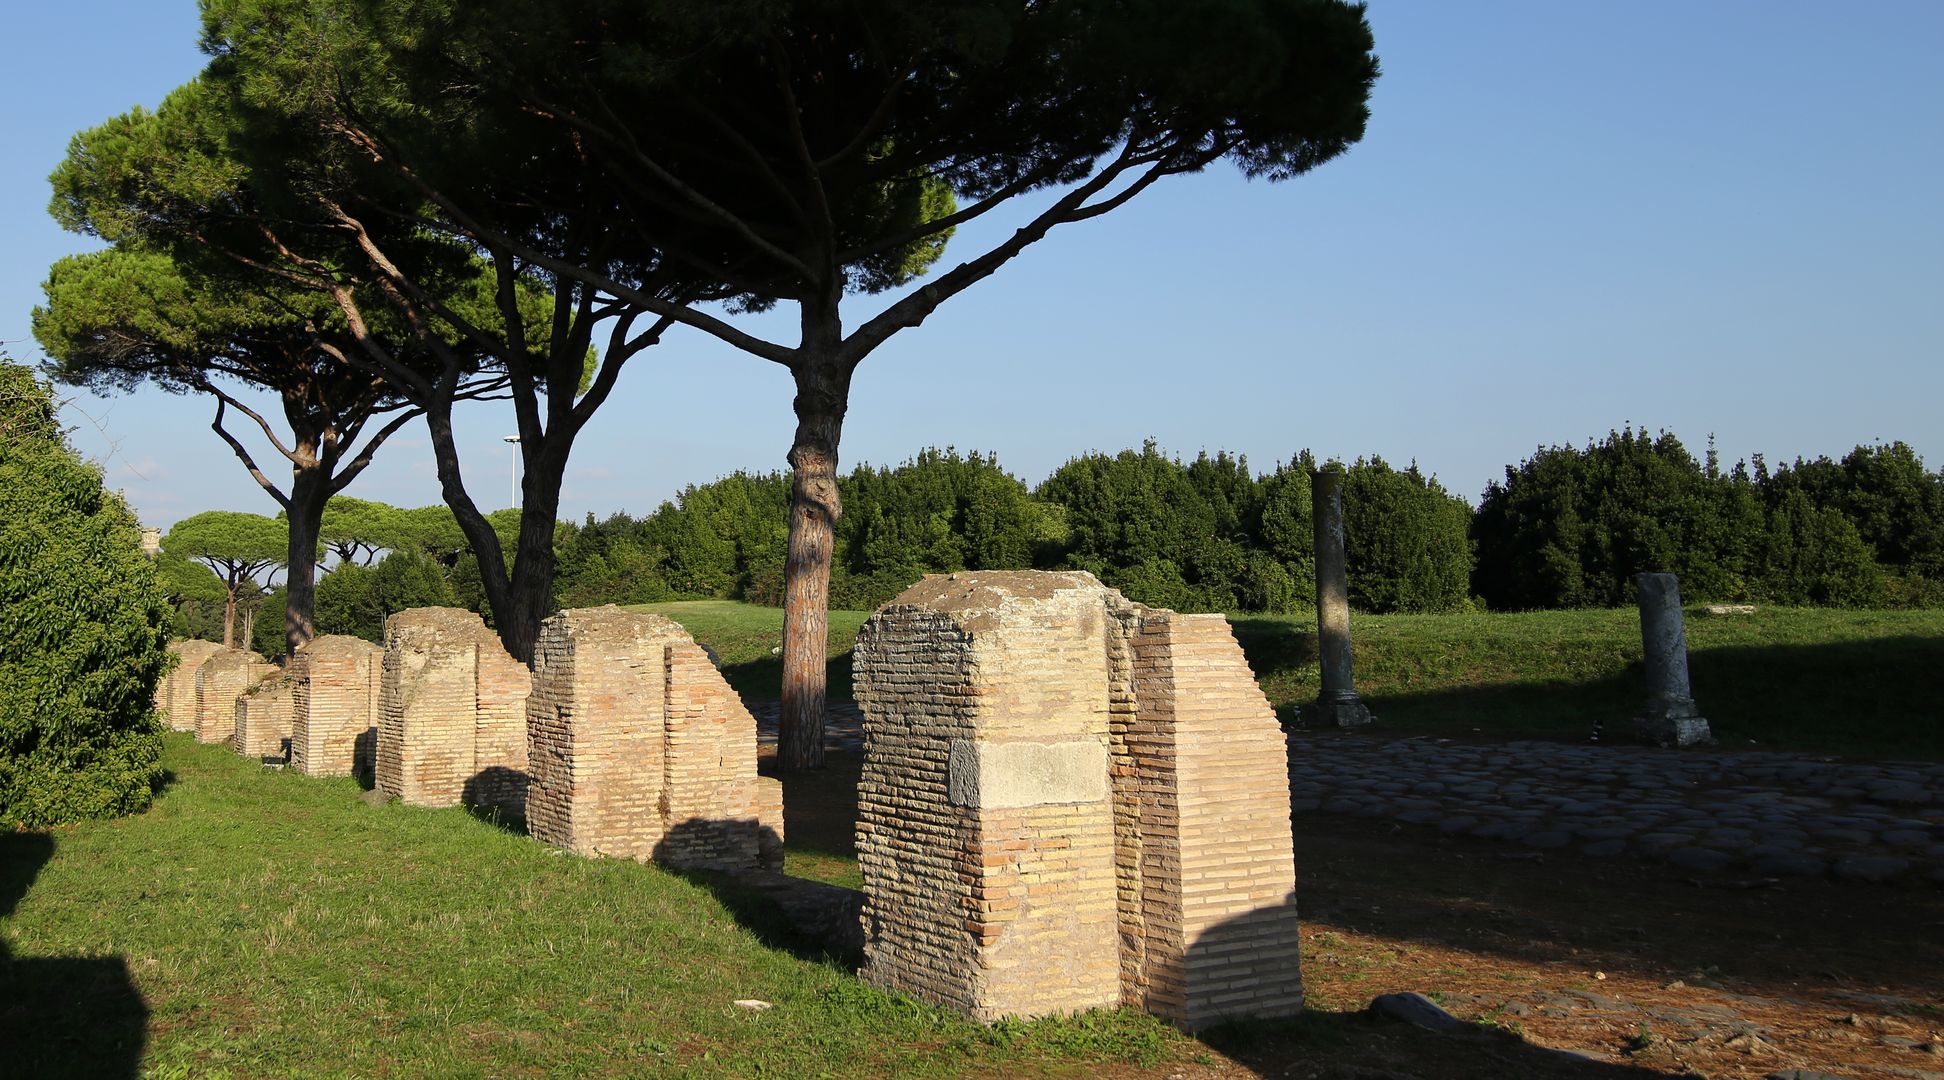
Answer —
(811, 920)
(1874, 697)
(763, 678)
(62, 1016)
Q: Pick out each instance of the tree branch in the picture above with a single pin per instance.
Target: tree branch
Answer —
(243, 454)
(916, 305)
(357, 464)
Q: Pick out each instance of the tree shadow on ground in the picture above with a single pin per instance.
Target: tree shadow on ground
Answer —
(1363, 1046)
(1618, 915)
(62, 1016)
(811, 920)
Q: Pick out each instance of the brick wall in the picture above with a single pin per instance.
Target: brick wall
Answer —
(985, 820)
(638, 748)
(263, 717)
(334, 703)
(1070, 801)
(226, 674)
(452, 713)
(175, 694)
(1209, 768)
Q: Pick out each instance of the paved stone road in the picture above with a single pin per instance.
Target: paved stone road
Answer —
(1766, 813)
(843, 725)
(1772, 814)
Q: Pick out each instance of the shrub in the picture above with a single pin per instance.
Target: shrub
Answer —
(83, 629)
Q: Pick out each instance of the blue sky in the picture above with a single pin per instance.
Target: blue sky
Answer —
(1714, 218)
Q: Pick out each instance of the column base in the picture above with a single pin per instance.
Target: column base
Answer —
(1672, 730)
(1345, 713)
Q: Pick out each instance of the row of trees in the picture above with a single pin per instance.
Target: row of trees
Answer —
(1569, 527)
(424, 200)
(1204, 535)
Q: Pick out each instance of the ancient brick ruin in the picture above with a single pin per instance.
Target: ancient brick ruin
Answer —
(1070, 801)
(219, 681)
(452, 713)
(175, 694)
(264, 714)
(334, 699)
(638, 748)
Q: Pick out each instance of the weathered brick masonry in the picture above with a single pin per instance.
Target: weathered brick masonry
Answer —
(1207, 765)
(1070, 801)
(452, 713)
(219, 681)
(263, 717)
(638, 748)
(334, 699)
(175, 694)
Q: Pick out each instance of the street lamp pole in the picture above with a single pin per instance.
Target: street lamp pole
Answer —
(513, 480)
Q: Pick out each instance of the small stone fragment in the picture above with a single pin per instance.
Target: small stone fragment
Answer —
(1416, 1010)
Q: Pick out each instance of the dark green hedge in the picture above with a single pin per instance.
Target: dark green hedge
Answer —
(83, 629)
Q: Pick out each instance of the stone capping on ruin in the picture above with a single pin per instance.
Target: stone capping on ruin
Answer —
(639, 749)
(334, 698)
(1070, 801)
(451, 714)
(175, 693)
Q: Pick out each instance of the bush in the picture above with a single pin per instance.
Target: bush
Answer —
(83, 629)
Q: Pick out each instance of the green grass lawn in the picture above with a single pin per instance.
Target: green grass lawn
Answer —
(260, 923)
(743, 635)
(1809, 679)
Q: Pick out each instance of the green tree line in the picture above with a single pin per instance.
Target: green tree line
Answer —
(1567, 527)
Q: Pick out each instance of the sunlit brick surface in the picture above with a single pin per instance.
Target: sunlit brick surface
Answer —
(638, 748)
(1070, 801)
(451, 715)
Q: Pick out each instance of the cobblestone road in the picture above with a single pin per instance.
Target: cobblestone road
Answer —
(1772, 814)
(1766, 813)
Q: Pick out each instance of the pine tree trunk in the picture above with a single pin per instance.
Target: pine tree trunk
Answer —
(309, 490)
(229, 613)
(822, 396)
(530, 597)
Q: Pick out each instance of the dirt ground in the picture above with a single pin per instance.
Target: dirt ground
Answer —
(1641, 967)
(1634, 969)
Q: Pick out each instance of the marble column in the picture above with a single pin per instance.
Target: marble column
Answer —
(1337, 705)
(1669, 717)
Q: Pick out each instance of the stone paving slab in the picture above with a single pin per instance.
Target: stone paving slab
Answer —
(843, 725)
(1770, 813)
